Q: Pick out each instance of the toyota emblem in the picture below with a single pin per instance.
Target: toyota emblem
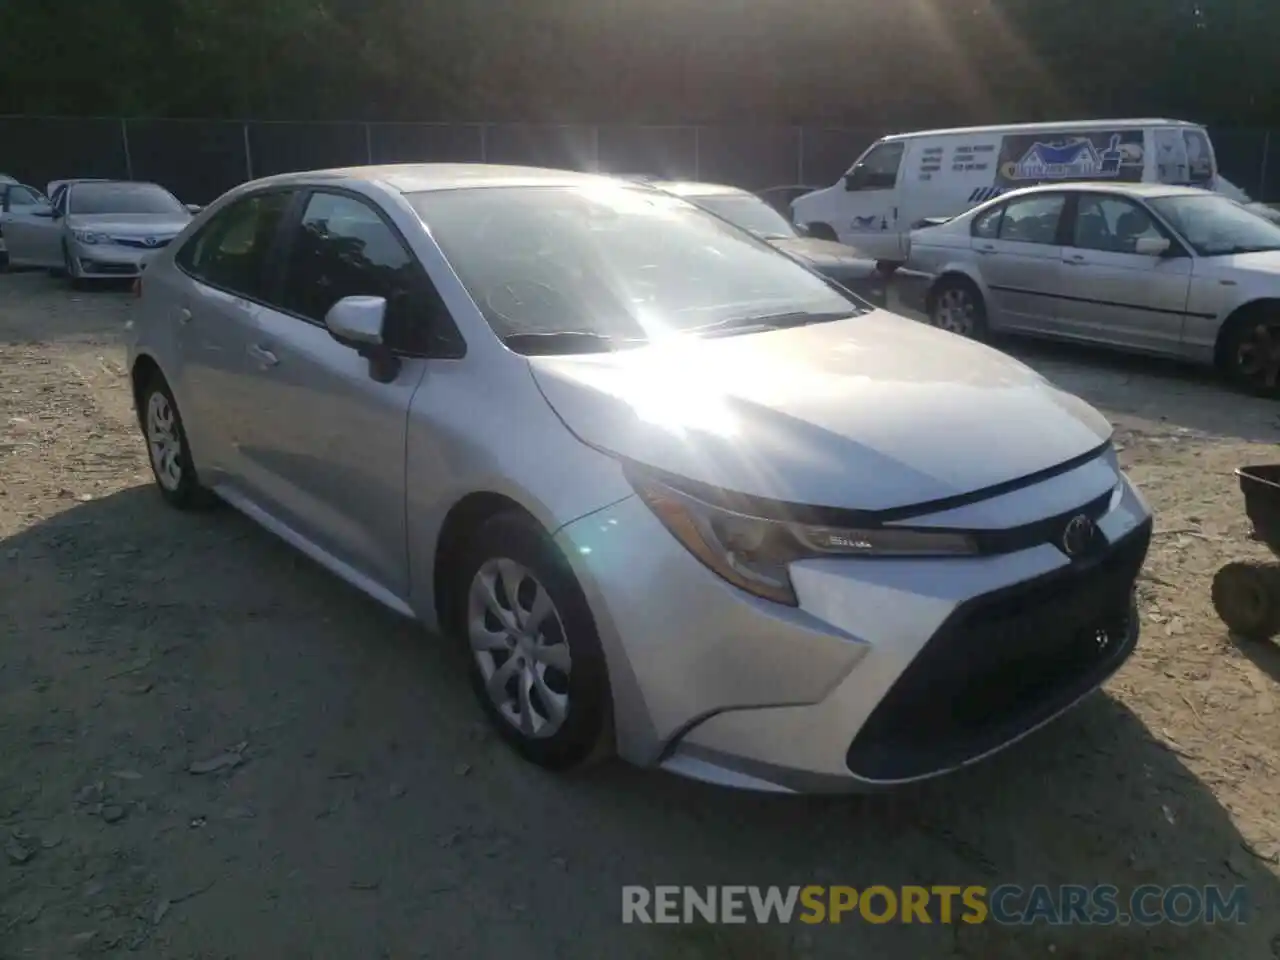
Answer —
(1077, 536)
(151, 241)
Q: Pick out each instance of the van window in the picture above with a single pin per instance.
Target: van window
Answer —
(1199, 158)
(878, 170)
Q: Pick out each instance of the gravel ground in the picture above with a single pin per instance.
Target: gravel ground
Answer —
(212, 748)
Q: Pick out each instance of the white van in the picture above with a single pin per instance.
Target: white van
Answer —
(910, 177)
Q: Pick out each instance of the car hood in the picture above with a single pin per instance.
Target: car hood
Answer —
(876, 412)
(130, 224)
(825, 255)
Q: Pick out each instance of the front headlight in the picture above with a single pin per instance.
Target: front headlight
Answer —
(89, 237)
(755, 553)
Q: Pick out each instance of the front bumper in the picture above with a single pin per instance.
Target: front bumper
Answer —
(101, 261)
(889, 671)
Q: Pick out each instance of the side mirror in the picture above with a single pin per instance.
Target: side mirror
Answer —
(42, 210)
(193, 207)
(851, 180)
(1151, 246)
(357, 322)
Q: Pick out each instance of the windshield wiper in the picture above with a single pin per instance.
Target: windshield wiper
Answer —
(568, 341)
(772, 321)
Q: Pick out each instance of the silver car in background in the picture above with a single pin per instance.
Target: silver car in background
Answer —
(96, 229)
(679, 496)
(1145, 268)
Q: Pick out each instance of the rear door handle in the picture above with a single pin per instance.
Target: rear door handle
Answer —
(263, 355)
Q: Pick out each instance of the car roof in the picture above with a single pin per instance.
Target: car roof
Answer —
(1145, 190)
(1066, 126)
(427, 177)
(690, 188)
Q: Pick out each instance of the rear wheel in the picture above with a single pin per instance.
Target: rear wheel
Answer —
(1249, 354)
(822, 231)
(168, 449)
(1246, 597)
(536, 662)
(957, 307)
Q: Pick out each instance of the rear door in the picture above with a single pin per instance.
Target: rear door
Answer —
(1019, 255)
(229, 262)
(1116, 295)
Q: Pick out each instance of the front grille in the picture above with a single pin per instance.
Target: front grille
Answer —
(1004, 663)
(140, 243)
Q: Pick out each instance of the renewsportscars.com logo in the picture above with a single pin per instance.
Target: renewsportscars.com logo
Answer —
(1009, 904)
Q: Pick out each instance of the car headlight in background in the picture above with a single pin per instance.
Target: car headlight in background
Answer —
(755, 554)
(89, 237)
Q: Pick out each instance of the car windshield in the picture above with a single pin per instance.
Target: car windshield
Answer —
(749, 213)
(96, 198)
(1216, 226)
(598, 267)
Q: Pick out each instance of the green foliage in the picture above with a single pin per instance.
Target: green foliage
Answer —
(860, 62)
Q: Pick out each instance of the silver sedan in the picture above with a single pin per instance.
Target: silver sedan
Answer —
(95, 229)
(1141, 267)
(679, 496)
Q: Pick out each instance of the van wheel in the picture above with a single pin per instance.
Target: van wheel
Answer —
(1249, 351)
(822, 231)
(956, 305)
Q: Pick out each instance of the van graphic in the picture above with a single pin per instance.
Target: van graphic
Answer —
(1075, 159)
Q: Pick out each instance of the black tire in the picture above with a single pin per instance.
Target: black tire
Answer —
(186, 492)
(77, 283)
(585, 734)
(1246, 597)
(822, 231)
(1249, 352)
(952, 294)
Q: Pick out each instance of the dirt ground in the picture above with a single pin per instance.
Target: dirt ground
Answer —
(358, 807)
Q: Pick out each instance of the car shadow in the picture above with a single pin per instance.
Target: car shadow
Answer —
(1265, 655)
(141, 639)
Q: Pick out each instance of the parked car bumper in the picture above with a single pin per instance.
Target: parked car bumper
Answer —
(889, 670)
(106, 261)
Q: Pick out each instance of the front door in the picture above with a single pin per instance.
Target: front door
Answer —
(325, 444)
(1020, 259)
(32, 230)
(1120, 296)
(867, 217)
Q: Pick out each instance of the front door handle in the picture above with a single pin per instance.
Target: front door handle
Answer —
(263, 355)
(184, 316)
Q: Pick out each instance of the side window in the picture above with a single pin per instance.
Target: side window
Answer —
(986, 226)
(1112, 224)
(1033, 219)
(60, 200)
(878, 170)
(230, 251)
(343, 248)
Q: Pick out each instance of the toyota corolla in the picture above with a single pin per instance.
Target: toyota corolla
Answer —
(681, 498)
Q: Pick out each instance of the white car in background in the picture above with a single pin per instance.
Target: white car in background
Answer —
(1140, 267)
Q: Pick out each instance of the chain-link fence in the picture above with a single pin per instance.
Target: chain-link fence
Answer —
(199, 159)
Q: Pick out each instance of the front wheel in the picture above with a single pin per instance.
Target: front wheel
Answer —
(536, 662)
(168, 449)
(956, 306)
(70, 270)
(1250, 353)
